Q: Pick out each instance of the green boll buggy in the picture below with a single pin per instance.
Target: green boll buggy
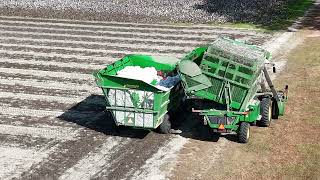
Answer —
(135, 103)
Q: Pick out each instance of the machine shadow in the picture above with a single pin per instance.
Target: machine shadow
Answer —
(192, 127)
(263, 14)
(311, 20)
(241, 11)
(91, 114)
(192, 124)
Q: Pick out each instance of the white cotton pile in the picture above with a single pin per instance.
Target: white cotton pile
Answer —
(147, 74)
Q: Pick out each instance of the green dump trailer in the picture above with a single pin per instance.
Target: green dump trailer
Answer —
(231, 76)
(135, 103)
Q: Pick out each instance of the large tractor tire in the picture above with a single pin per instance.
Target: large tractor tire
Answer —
(165, 126)
(244, 132)
(265, 112)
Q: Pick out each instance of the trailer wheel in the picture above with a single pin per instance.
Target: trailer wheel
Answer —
(165, 126)
(266, 112)
(244, 132)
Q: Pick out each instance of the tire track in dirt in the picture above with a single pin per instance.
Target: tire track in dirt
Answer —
(161, 163)
(56, 162)
(133, 156)
(17, 160)
(94, 161)
(26, 141)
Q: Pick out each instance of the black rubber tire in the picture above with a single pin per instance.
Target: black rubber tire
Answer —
(165, 126)
(253, 123)
(265, 112)
(275, 110)
(244, 132)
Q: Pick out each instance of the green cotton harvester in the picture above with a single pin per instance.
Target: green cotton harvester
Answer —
(225, 81)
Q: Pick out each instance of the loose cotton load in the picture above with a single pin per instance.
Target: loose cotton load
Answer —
(147, 74)
(136, 98)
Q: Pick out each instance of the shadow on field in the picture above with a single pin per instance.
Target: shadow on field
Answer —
(312, 20)
(260, 12)
(267, 14)
(192, 127)
(91, 114)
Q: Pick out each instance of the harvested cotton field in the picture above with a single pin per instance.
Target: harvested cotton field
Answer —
(53, 123)
(196, 11)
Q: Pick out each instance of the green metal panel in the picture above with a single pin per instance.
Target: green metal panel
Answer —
(192, 74)
(221, 63)
(196, 55)
(190, 68)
